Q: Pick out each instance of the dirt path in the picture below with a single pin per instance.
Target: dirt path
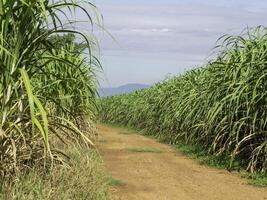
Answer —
(147, 170)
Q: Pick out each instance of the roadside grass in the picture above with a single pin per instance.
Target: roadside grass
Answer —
(258, 179)
(203, 157)
(144, 150)
(115, 182)
(84, 179)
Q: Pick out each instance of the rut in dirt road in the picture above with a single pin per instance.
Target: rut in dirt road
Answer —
(153, 171)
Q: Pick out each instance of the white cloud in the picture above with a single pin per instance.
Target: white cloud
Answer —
(185, 31)
(175, 26)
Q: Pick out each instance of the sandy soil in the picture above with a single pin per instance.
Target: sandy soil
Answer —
(167, 175)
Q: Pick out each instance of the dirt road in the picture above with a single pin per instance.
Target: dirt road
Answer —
(147, 170)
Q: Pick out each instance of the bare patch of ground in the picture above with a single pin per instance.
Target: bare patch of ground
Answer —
(148, 175)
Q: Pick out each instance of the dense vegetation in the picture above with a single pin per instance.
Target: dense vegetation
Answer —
(47, 84)
(221, 106)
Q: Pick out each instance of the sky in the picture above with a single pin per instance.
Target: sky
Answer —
(154, 39)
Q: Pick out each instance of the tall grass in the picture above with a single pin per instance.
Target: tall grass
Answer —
(221, 106)
(85, 180)
(47, 88)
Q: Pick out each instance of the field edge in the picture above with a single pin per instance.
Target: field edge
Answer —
(197, 153)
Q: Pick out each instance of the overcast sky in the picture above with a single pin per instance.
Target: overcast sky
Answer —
(158, 38)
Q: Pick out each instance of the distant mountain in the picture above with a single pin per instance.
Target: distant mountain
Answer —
(124, 89)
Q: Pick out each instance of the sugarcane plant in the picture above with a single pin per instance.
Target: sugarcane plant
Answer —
(47, 87)
(221, 106)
